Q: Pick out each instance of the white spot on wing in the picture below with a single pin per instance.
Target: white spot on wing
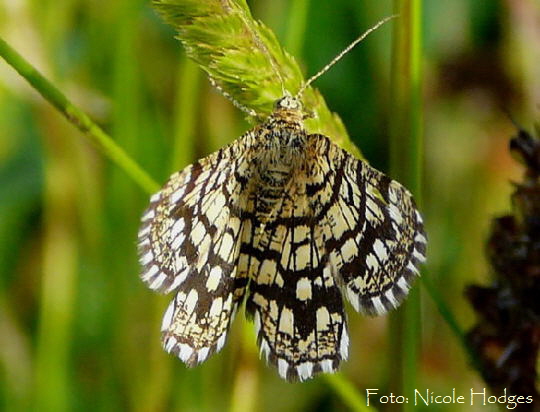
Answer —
(265, 349)
(323, 318)
(286, 322)
(158, 281)
(216, 308)
(148, 215)
(326, 366)
(344, 344)
(221, 342)
(202, 354)
(379, 307)
(150, 273)
(303, 289)
(380, 250)
(390, 296)
(349, 250)
(305, 370)
(191, 301)
(198, 233)
(177, 228)
(177, 241)
(176, 196)
(227, 244)
(168, 317)
(178, 279)
(413, 268)
(353, 299)
(419, 256)
(257, 323)
(420, 238)
(144, 231)
(371, 262)
(170, 344)
(214, 277)
(147, 258)
(283, 366)
(402, 283)
(185, 352)
(302, 257)
(395, 214)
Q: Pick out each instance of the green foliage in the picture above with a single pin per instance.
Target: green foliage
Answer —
(245, 60)
(406, 143)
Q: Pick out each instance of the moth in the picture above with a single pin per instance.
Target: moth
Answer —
(292, 224)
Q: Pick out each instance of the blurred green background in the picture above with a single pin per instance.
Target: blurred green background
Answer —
(80, 331)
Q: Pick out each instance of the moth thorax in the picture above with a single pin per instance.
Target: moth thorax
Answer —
(292, 137)
(288, 129)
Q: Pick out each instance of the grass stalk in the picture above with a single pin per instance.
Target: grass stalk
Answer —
(406, 142)
(247, 380)
(451, 321)
(78, 118)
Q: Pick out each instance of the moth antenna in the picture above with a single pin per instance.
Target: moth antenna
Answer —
(343, 53)
(236, 103)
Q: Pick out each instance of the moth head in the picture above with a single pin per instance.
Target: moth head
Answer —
(288, 102)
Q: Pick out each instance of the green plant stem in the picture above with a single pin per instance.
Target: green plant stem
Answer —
(406, 143)
(450, 320)
(76, 116)
(349, 394)
(246, 383)
(406, 139)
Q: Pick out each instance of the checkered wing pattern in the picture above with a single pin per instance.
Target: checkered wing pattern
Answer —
(373, 233)
(189, 243)
(339, 226)
(293, 296)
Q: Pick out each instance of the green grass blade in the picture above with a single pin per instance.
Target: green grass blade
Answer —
(450, 319)
(406, 144)
(78, 118)
(406, 166)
